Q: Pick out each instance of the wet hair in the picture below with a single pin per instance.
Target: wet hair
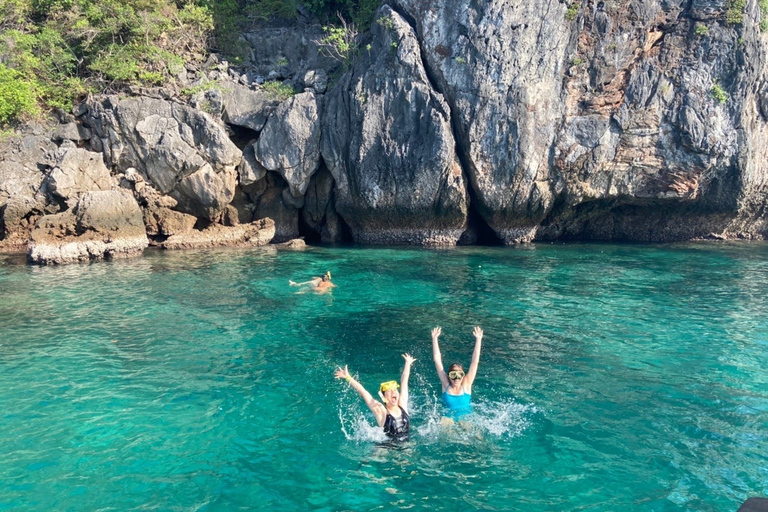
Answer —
(455, 366)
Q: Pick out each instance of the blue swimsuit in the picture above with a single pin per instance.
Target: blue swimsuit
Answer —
(458, 405)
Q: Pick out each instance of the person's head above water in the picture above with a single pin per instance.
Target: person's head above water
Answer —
(455, 372)
(388, 392)
(326, 276)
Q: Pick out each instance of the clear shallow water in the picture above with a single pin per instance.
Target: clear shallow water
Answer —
(612, 377)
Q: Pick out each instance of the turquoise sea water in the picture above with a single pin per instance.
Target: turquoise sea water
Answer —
(612, 378)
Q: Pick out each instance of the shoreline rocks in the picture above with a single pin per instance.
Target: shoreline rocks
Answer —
(104, 225)
(255, 234)
(494, 122)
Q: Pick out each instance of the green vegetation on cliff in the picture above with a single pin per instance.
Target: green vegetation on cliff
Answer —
(53, 52)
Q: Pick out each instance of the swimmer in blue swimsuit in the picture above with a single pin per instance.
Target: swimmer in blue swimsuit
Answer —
(457, 385)
(392, 415)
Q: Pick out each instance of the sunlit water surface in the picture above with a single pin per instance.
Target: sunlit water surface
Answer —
(612, 378)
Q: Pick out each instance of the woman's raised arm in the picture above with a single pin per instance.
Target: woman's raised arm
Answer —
(403, 401)
(470, 378)
(438, 358)
(374, 405)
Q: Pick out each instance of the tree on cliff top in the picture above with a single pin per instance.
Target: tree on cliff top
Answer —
(55, 51)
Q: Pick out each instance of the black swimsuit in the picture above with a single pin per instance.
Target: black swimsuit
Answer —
(398, 430)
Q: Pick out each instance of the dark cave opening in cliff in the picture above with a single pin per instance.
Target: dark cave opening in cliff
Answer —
(313, 236)
(310, 235)
(241, 135)
(483, 233)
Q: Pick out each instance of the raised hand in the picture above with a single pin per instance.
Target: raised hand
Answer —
(436, 332)
(478, 332)
(409, 359)
(341, 373)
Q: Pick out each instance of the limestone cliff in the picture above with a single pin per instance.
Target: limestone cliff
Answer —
(506, 120)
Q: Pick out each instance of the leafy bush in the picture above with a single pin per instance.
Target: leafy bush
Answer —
(359, 12)
(340, 42)
(278, 90)
(718, 93)
(701, 29)
(572, 12)
(18, 98)
(763, 15)
(59, 50)
(386, 22)
(735, 13)
(67, 48)
(266, 9)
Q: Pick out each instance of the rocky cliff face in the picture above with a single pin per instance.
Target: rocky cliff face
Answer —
(389, 146)
(601, 120)
(514, 120)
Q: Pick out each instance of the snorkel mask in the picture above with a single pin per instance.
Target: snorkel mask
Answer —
(386, 386)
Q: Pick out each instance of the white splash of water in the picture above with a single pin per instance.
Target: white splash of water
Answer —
(497, 419)
(357, 427)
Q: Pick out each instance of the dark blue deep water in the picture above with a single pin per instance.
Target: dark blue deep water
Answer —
(613, 377)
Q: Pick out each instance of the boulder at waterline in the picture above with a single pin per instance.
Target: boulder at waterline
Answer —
(388, 144)
(257, 233)
(104, 224)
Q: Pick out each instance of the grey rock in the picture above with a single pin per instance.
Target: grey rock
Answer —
(267, 201)
(500, 65)
(77, 171)
(317, 80)
(388, 144)
(182, 152)
(565, 126)
(319, 213)
(71, 131)
(290, 141)
(161, 221)
(105, 224)
(255, 234)
(250, 170)
(287, 52)
(23, 164)
(79, 109)
(296, 243)
(109, 211)
(205, 193)
(246, 107)
(317, 199)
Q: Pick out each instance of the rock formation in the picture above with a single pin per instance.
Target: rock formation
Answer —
(454, 121)
(181, 151)
(388, 144)
(23, 198)
(103, 224)
(255, 234)
(601, 120)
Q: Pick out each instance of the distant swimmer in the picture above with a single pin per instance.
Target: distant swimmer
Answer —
(457, 386)
(392, 415)
(321, 284)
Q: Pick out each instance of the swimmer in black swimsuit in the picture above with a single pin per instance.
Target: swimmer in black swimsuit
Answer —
(392, 415)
